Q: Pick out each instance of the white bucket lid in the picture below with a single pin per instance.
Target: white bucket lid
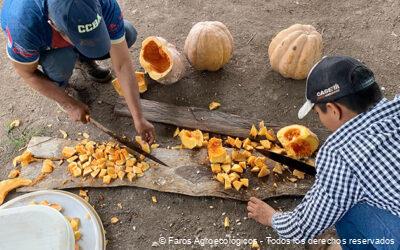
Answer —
(34, 227)
(91, 227)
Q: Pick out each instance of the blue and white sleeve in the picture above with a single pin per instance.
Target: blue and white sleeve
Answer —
(20, 49)
(329, 199)
(114, 20)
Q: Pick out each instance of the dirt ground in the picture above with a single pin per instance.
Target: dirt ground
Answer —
(367, 30)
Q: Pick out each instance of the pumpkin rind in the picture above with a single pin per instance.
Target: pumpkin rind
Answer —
(161, 60)
(7, 185)
(293, 51)
(298, 140)
(209, 45)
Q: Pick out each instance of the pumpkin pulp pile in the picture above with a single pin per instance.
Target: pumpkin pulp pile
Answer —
(107, 161)
(229, 169)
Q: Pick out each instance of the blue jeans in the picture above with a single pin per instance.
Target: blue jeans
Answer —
(364, 221)
(58, 64)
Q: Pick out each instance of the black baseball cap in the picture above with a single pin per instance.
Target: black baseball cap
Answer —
(335, 77)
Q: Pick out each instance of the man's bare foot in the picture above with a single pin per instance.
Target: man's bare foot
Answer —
(260, 211)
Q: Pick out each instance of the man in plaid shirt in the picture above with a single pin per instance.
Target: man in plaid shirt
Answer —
(357, 186)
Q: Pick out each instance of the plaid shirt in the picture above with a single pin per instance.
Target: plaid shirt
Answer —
(360, 162)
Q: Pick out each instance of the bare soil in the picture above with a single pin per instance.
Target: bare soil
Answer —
(367, 30)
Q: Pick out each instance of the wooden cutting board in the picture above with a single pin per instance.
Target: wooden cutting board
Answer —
(189, 173)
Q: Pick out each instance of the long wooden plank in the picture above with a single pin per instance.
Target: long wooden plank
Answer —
(189, 174)
(203, 119)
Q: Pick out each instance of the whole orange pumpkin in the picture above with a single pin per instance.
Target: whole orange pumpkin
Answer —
(209, 45)
(293, 51)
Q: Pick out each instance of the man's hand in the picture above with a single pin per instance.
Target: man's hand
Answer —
(146, 130)
(77, 111)
(260, 211)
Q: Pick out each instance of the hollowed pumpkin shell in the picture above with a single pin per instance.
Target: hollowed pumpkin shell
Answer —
(209, 45)
(295, 50)
(191, 139)
(216, 152)
(298, 140)
(161, 60)
(142, 84)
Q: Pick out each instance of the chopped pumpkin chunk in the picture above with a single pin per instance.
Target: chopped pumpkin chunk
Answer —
(13, 174)
(226, 222)
(216, 168)
(214, 105)
(264, 171)
(144, 145)
(253, 131)
(237, 168)
(191, 139)
(216, 152)
(237, 185)
(245, 182)
(48, 166)
(298, 174)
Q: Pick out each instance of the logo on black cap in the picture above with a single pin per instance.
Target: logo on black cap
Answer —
(328, 91)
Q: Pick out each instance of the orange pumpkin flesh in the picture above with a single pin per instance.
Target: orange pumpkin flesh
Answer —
(142, 84)
(156, 57)
(191, 139)
(298, 141)
(216, 152)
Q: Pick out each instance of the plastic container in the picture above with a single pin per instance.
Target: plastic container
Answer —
(34, 228)
(91, 228)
